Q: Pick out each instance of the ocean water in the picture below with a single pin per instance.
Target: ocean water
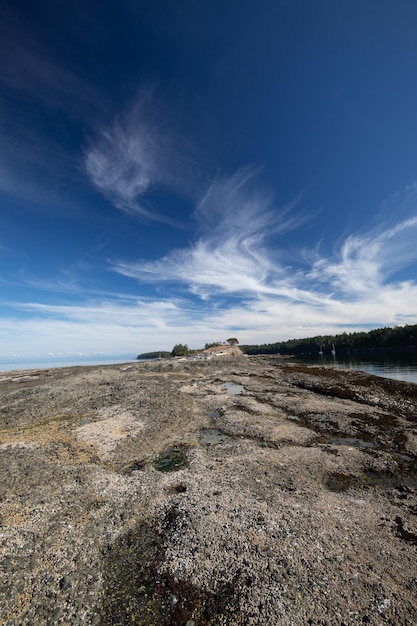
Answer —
(396, 365)
(401, 365)
(8, 364)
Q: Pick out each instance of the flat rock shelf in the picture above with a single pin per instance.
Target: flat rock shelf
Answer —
(149, 494)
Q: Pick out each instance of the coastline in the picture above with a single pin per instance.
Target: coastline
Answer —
(27, 364)
(144, 493)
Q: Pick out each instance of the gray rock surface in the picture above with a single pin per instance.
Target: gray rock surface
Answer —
(150, 494)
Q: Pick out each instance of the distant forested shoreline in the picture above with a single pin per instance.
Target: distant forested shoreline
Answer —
(158, 354)
(397, 338)
(387, 338)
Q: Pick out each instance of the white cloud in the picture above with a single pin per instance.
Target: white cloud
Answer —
(237, 277)
(108, 327)
(366, 262)
(270, 302)
(138, 154)
(234, 220)
(131, 327)
(233, 256)
(121, 163)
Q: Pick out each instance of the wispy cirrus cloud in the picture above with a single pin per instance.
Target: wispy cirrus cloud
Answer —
(230, 255)
(241, 252)
(139, 154)
(366, 262)
(270, 301)
(111, 326)
(123, 326)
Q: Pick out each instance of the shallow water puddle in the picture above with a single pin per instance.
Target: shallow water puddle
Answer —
(233, 389)
(171, 460)
(211, 436)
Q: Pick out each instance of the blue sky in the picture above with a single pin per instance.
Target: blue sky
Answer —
(181, 171)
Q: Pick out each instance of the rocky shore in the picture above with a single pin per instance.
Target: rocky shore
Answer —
(232, 491)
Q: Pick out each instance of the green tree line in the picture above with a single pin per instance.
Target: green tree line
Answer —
(399, 337)
(158, 354)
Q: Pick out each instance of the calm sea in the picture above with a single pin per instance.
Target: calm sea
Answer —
(7, 365)
(397, 365)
